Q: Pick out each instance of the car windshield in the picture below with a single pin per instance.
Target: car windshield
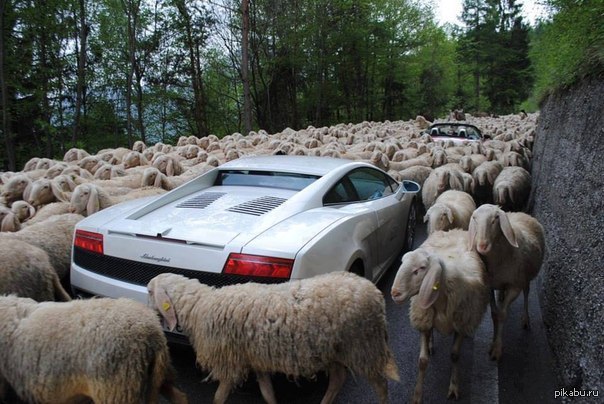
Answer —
(269, 179)
(461, 131)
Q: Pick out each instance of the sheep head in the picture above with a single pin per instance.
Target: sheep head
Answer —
(487, 224)
(15, 187)
(420, 273)
(23, 210)
(44, 191)
(439, 217)
(85, 200)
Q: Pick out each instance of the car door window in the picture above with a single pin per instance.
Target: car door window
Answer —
(361, 184)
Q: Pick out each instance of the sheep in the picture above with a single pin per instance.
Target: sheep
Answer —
(336, 321)
(451, 210)
(484, 176)
(134, 159)
(45, 212)
(448, 290)
(75, 154)
(513, 245)
(90, 163)
(23, 210)
(512, 158)
(55, 170)
(449, 176)
(31, 164)
(9, 221)
(109, 171)
(153, 177)
(511, 188)
(14, 188)
(53, 235)
(469, 163)
(139, 146)
(105, 350)
(44, 191)
(76, 172)
(27, 272)
(168, 165)
(90, 198)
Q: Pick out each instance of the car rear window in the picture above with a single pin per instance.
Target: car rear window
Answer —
(269, 179)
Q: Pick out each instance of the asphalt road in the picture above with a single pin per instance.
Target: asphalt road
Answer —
(525, 374)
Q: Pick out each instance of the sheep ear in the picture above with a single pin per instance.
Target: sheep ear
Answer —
(165, 307)
(506, 229)
(455, 183)
(143, 160)
(471, 234)
(450, 214)
(170, 168)
(431, 285)
(93, 204)
(27, 192)
(57, 192)
(32, 212)
(9, 223)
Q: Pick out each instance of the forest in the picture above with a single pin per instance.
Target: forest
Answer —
(101, 74)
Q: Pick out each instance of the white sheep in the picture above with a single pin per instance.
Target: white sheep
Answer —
(26, 271)
(484, 177)
(44, 191)
(168, 165)
(23, 210)
(449, 176)
(74, 154)
(134, 159)
(512, 188)
(15, 187)
(513, 245)
(53, 235)
(449, 292)
(451, 210)
(139, 146)
(105, 350)
(90, 198)
(469, 163)
(9, 222)
(45, 212)
(335, 321)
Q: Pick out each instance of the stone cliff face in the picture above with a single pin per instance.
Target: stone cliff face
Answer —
(568, 199)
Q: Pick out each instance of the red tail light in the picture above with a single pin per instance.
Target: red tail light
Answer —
(89, 241)
(257, 265)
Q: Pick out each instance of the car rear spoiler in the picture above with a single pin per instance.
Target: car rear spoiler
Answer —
(407, 187)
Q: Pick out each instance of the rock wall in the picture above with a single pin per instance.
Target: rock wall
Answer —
(568, 199)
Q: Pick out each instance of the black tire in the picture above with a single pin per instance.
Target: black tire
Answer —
(410, 229)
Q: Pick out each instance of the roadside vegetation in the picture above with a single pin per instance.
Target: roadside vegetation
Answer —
(99, 74)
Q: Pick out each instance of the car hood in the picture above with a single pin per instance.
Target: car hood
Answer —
(212, 217)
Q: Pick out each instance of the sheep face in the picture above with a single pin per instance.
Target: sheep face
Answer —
(23, 210)
(14, 188)
(43, 192)
(488, 225)
(84, 200)
(420, 274)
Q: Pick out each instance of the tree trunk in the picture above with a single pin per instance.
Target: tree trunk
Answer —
(247, 105)
(6, 117)
(81, 81)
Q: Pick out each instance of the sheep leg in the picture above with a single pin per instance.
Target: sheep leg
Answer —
(510, 296)
(525, 316)
(337, 377)
(266, 387)
(454, 383)
(494, 310)
(422, 366)
(223, 391)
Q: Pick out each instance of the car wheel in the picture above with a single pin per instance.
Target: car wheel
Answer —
(410, 231)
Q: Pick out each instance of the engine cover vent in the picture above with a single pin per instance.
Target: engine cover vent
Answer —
(259, 206)
(201, 201)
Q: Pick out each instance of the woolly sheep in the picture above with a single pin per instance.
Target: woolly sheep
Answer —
(511, 188)
(26, 271)
(53, 235)
(9, 221)
(469, 163)
(451, 210)
(134, 159)
(45, 212)
(448, 291)
(106, 350)
(31, 164)
(512, 158)
(55, 170)
(484, 176)
(139, 146)
(168, 165)
(74, 154)
(44, 191)
(14, 188)
(449, 176)
(513, 245)
(109, 171)
(336, 321)
(90, 198)
(23, 210)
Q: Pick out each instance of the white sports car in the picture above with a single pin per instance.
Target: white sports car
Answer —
(262, 219)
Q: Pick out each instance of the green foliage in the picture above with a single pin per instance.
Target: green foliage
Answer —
(568, 47)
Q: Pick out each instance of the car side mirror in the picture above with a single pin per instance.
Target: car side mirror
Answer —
(406, 187)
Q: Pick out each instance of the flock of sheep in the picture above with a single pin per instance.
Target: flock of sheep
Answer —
(113, 350)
